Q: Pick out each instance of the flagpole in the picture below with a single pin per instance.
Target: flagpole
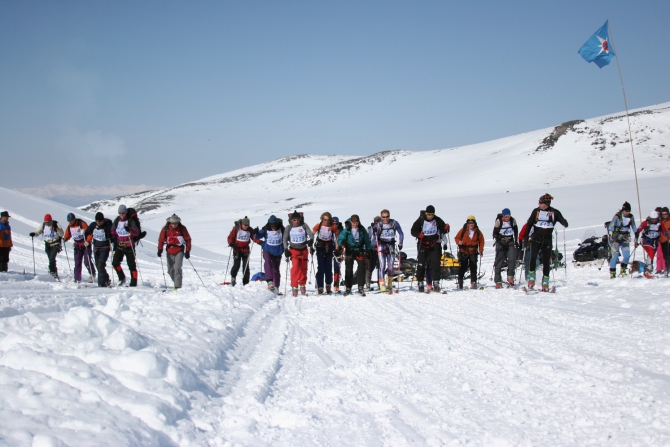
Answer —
(630, 135)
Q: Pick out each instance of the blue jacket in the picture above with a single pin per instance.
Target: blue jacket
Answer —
(106, 227)
(346, 239)
(274, 250)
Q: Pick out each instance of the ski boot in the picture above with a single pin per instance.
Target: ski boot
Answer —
(510, 281)
(303, 290)
(336, 288)
(294, 291)
(498, 285)
(382, 286)
(545, 284)
(436, 286)
(624, 270)
(233, 281)
(328, 290)
(389, 285)
(421, 287)
(429, 287)
(270, 285)
(473, 285)
(648, 275)
(133, 278)
(122, 282)
(531, 280)
(319, 291)
(459, 284)
(76, 281)
(90, 279)
(613, 273)
(361, 291)
(347, 291)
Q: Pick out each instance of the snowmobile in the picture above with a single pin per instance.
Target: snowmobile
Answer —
(592, 248)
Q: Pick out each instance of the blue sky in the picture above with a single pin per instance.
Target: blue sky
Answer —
(166, 92)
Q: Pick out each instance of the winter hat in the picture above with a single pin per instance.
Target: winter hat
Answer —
(336, 219)
(174, 219)
(5, 214)
(245, 221)
(653, 214)
(471, 219)
(506, 212)
(99, 216)
(430, 209)
(273, 220)
(122, 209)
(70, 217)
(295, 215)
(546, 199)
(47, 218)
(625, 207)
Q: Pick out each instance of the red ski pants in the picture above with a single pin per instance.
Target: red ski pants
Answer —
(299, 265)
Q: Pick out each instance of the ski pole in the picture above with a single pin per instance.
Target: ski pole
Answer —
(311, 266)
(225, 275)
(137, 263)
(67, 257)
(565, 264)
(163, 268)
(196, 272)
(479, 269)
(246, 266)
(111, 252)
(286, 275)
(32, 239)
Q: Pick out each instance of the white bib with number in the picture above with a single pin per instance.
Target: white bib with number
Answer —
(653, 230)
(76, 233)
(506, 229)
(325, 233)
(355, 234)
(429, 227)
(243, 236)
(544, 219)
(49, 232)
(121, 229)
(625, 225)
(297, 235)
(387, 233)
(99, 235)
(274, 238)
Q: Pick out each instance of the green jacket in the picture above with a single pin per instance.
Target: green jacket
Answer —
(346, 239)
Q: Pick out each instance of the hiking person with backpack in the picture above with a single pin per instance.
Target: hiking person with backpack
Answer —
(75, 230)
(239, 240)
(174, 236)
(124, 231)
(5, 241)
(649, 233)
(620, 229)
(665, 239)
(52, 234)
(373, 262)
(541, 224)
(430, 230)
(297, 239)
(273, 233)
(337, 257)
(506, 237)
(384, 234)
(325, 243)
(356, 243)
(470, 241)
(100, 231)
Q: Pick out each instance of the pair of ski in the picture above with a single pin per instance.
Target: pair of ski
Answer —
(534, 291)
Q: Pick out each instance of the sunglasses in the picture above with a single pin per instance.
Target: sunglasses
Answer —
(430, 214)
(386, 217)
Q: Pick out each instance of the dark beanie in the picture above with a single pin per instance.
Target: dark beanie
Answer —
(430, 209)
(295, 215)
(99, 216)
(626, 206)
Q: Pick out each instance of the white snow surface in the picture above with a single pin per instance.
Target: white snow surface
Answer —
(212, 365)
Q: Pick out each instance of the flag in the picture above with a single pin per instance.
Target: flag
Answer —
(597, 49)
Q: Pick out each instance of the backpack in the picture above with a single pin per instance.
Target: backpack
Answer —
(133, 217)
(54, 225)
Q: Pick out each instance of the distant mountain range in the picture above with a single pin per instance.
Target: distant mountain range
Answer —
(80, 195)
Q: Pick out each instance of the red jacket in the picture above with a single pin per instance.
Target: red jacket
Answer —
(175, 239)
(238, 240)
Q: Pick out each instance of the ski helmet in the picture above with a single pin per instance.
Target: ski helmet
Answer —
(653, 214)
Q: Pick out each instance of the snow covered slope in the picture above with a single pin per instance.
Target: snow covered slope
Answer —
(222, 366)
(577, 153)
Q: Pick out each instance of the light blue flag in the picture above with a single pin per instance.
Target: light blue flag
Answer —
(597, 49)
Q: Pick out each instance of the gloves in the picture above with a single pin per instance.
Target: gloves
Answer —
(287, 253)
(160, 253)
(338, 252)
(32, 234)
(86, 244)
(399, 246)
(258, 241)
(311, 250)
(255, 230)
(187, 254)
(444, 247)
(421, 235)
(481, 253)
(232, 245)
(447, 227)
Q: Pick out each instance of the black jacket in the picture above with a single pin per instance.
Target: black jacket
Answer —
(417, 228)
(107, 227)
(544, 233)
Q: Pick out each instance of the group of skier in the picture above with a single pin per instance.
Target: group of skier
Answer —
(331, 242)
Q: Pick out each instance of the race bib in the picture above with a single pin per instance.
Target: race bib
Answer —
(506, 229)
(429, 227)
(76, 233)
(297, 235)
(175, 240)
(652, 231)
(99, 235)
(274, 238)
(355, 234)
(325, 233)
(388, 232)
(625, 225)
(49, 233)
(544, 220)
(121, 229)
(243, 236)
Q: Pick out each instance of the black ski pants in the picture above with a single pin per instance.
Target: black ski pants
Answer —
(665, 247)
(349, 271)
(4, 258)
(240, 258)
(52, 251)
(505, 251)
(101, 256)
(468, 262)
(129, 254)
(543, 246)
(429, 259)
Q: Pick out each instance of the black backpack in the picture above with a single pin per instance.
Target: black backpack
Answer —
(133, 217)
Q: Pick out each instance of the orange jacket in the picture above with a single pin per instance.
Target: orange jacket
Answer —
(5, 235)
(333, 228)
(77, 224)
(666, 226)
(468, 245)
